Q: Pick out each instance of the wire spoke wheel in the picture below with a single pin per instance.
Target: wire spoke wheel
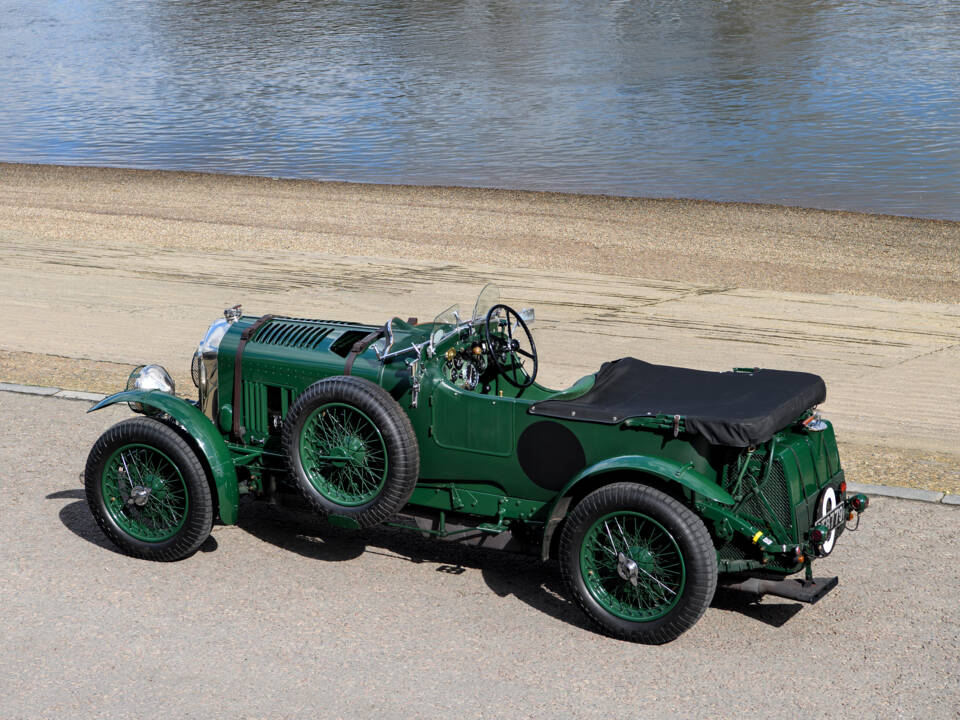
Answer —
(638, 562)
(351, 450)
(632, 566)
(144, 492)
(343, 454)
(148, 490)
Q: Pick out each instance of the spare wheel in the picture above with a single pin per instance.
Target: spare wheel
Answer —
(351, 450)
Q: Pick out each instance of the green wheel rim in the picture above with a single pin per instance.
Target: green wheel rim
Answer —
(632, 566)
(144, 492)
(343, 454)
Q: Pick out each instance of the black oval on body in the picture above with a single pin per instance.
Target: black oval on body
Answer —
(550, 454)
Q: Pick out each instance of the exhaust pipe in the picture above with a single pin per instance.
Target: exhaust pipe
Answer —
(807, 591)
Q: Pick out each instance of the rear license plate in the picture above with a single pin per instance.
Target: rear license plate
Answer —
(833, 519)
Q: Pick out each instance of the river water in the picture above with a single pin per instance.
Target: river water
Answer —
(832, 104)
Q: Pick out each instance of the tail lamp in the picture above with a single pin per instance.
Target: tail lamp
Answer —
(817, 534)
(859, 502)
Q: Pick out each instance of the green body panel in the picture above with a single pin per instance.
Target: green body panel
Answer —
(456, 498)
(660, 467)
(480, 426)
(210, 442)
(287, 368)
(665, 469)
(782, 501)
(754, 503)
(468, 439)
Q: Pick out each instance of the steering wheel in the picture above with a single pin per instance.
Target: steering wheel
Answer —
(500, 348)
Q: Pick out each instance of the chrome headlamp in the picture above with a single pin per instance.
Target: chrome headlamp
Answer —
(205, 361)
(149, 377)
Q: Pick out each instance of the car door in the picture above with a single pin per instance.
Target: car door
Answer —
(472, 422)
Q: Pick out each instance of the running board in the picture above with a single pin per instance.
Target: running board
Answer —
(808, 591)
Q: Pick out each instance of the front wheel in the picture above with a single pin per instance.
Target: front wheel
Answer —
(638, 562)
(148, 491)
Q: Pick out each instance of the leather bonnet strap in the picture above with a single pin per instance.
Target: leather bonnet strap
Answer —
(359, 346)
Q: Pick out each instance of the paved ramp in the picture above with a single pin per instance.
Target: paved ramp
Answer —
(892, 367)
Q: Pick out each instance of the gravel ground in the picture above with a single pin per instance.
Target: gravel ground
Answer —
(726, 244)
(279, 617)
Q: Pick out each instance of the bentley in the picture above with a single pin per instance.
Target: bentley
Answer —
(649, 485)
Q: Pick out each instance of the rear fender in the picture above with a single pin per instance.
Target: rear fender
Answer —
(207, 437)
(667, 470)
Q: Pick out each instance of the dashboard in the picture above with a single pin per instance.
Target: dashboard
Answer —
(468, 366)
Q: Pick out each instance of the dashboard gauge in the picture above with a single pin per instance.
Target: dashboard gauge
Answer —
(470, 375)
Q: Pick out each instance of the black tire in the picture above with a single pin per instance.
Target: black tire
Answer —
(390, 434)
(680, 532)
(119, 516)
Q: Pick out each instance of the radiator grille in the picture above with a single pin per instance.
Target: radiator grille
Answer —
(292, 333)
(255, 407)
(264, 406)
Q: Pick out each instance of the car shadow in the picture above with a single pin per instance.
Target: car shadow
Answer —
(774, 614)
(300, 533)
(77, 519)
(506, 574)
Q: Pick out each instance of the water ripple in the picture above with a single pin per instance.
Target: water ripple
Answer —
(826, 103)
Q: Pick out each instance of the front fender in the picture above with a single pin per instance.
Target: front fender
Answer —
(207, 437)
(667, 470)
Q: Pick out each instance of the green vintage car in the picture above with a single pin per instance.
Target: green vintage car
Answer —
(648, 484)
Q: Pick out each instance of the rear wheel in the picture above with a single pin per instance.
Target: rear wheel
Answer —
(638, 562)
(148, 491)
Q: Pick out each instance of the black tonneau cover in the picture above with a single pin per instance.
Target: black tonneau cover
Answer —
(737, 409)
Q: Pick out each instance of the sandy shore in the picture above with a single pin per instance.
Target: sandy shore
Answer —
(728, 244)
(101, 269)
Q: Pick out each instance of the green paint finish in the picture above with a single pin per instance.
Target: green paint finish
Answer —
(809, 461)
(343, 454)
(470, 500)
(473, 422)
(632, 566)
(208, 439)
(468, 441)
(255, 408)
(144, 492)
(664, 468)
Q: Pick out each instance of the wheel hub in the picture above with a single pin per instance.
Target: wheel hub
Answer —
(350, 450)
(644, 558)
(627, 568)
(139, 495)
